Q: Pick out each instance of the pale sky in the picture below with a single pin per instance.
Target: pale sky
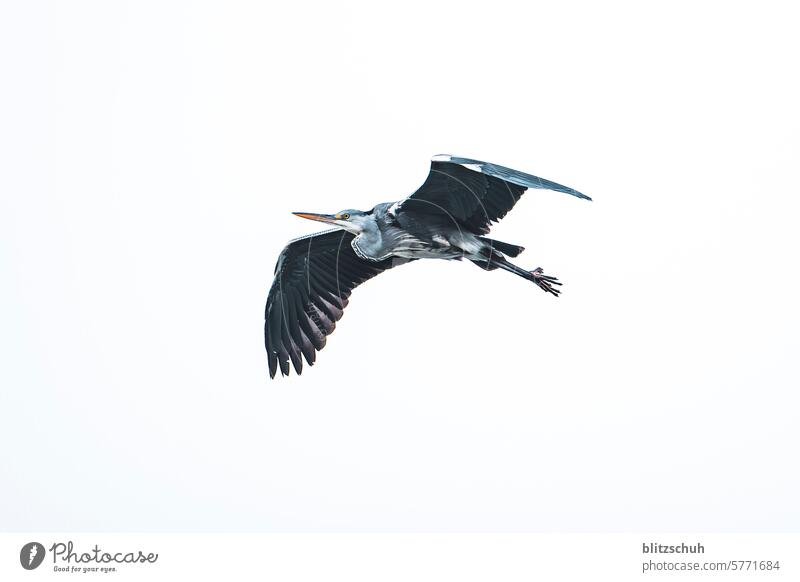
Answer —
(152, 153)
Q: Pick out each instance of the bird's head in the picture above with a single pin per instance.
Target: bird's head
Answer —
(354, 221)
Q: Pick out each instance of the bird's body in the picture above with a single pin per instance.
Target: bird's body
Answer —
(400, 235)
(445, 218)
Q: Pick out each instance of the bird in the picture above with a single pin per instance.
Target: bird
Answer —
(445, 218)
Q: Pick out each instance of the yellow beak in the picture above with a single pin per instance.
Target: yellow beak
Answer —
(330, 218)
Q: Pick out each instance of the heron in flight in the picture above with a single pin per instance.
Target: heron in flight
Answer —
(446, 218)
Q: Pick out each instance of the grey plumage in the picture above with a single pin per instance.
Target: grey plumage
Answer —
(445, 218)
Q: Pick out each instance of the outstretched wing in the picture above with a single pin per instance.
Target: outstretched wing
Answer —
(473, 193)
(313, 280)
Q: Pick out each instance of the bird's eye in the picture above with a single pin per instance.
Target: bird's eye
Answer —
(345, 216)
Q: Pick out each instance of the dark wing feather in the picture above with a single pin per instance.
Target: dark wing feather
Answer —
(473, 193)
(313, 280)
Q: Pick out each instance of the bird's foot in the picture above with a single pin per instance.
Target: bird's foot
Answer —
(545, 282)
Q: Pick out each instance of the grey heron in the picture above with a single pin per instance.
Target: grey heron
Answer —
(446, 218)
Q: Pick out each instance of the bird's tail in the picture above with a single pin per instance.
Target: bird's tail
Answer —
(503, 247)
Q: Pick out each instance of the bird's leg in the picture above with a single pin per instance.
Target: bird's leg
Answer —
(545, 282)
(493, 260)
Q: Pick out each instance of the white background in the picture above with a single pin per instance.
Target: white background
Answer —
(151, 154)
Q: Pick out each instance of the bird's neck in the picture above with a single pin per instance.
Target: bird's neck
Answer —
(369, 243)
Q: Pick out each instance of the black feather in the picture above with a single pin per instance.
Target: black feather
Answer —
(314, 277)
(472, 193)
